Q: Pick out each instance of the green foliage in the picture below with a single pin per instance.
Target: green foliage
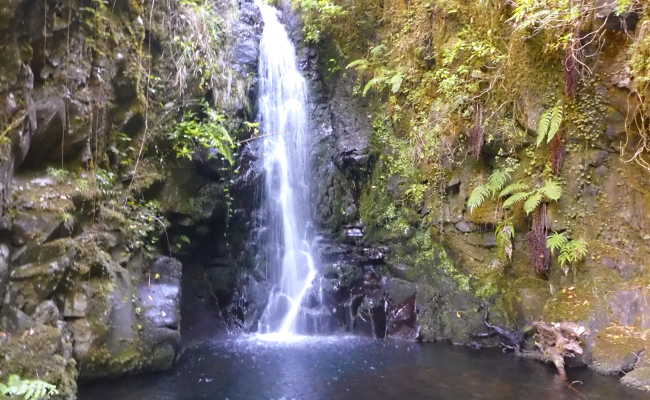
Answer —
(624, 6)
(549, 123)
(145, 224)
(494, 185)
(551, 190)
(512, 188)
(318, 15)
(460, 78)
(196, 44)
(556, 241)
(532, 202)
(505, 235)
(570, 252)
(209, 132)
(545, 14)
(26, 389)
(384, 79)
(58, 173)
(518, 192)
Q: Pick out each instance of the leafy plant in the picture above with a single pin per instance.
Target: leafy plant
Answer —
(317, 16)
(494, 185)
(505, 235)
(196, 44)
(58, 173)
(549, 123)
(518, 192)
(570, 251)
(624, 6)
(27, 389)
(209, 132)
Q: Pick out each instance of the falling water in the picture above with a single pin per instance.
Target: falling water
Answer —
(283, 121)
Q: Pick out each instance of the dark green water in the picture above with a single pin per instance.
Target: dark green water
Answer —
(354, 369)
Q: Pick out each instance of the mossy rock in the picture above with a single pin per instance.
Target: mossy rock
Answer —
(42, 354)
(573, 303)
(639, 378)
(524, 299)
(616, 348)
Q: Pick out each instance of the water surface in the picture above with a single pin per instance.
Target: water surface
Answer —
(354, 369)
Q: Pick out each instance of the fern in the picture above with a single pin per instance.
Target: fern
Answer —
(494, 185)
(396, 82)
(516, 198)
(573, 252)
(498, 180)
(570, 252)
(557, 115)
(556, 241)
(372, 83)
(517, 192)
(478, 197)
(551, 190)
(360, 64)
(549, 123)
(533, 202)
(27, 389)
(513, 188)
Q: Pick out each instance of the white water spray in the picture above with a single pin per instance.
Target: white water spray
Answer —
(282, 102)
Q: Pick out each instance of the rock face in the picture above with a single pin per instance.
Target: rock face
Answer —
(411, 194)
(91, 193)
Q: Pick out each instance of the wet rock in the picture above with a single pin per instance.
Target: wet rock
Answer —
(161, 310)
(75, 305)
(247, 31)
(465, 227)
(13, 320)
(43, 353)
(639, 378)
(447, 313)
(4, 268)
(399, 290)
(83, 335)
(46, 313)
(33, 283)
(30, 227)
(616, 350)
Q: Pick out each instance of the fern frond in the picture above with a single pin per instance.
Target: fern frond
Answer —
(533, 202)
(478, 197)
(361, 64)
(549, 123)
(556, 241)
(28, 389)
(396, 82)
(557, 115)
(552, 190)
(543, 126)
(498, 180)
(372, 83)
(516, 198)
(573, 252)
(513, 188)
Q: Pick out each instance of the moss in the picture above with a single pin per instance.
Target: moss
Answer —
(570, 304)
(639, 378)
(615, 347)
(39, 356)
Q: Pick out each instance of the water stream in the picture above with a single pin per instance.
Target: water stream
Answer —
(282, 102)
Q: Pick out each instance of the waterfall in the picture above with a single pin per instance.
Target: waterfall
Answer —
(282, 102)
